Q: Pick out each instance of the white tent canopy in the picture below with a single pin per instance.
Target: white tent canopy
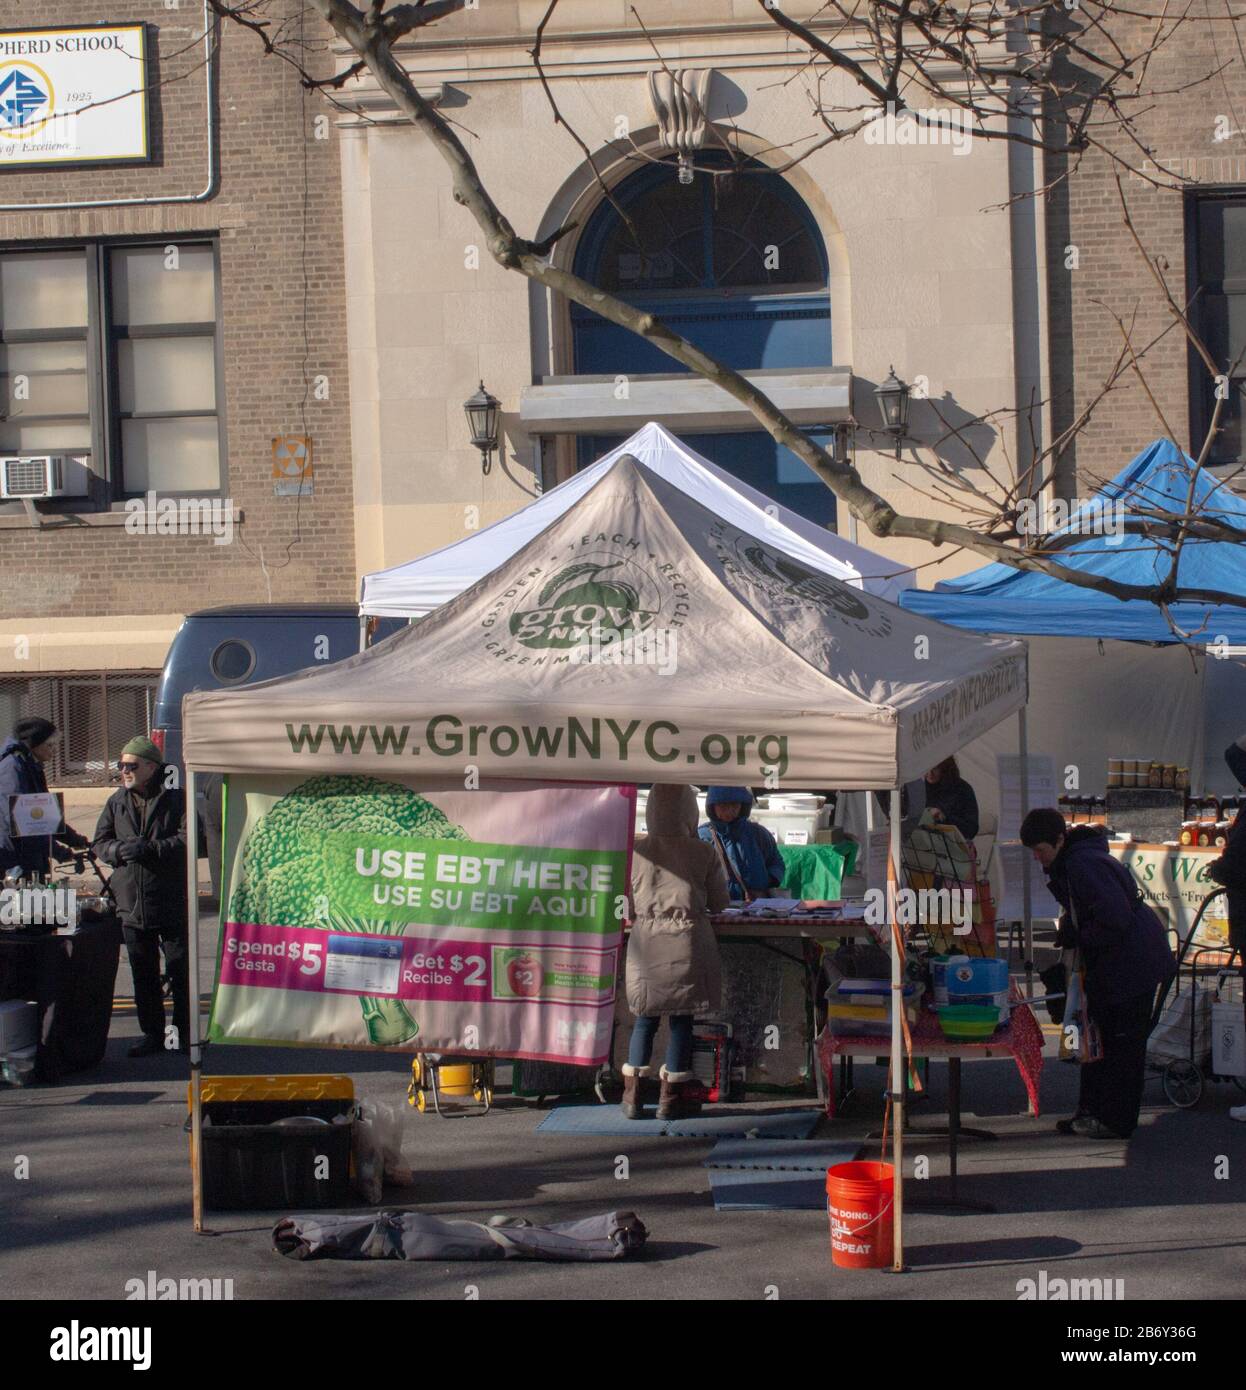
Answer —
(417, 587)
(712, 655)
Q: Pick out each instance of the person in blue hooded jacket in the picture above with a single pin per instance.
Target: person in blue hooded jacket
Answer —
(750, 855)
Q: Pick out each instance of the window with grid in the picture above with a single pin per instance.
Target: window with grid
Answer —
(1217, 241)
(109, 355)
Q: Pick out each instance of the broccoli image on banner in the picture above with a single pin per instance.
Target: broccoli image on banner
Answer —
(286, 881)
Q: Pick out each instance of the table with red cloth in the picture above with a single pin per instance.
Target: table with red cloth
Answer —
(1020, 1038)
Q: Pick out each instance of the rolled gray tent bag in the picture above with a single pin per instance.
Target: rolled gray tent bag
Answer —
(411, 1235)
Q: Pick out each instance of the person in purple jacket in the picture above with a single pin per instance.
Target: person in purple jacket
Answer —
(1125, 959)
(1230, 870)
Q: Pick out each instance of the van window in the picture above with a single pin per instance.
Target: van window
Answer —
(233, 661)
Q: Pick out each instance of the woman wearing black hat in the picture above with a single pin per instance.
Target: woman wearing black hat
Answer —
(21, 772)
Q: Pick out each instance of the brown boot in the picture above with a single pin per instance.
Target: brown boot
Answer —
(673, 1101)
(630, 1104)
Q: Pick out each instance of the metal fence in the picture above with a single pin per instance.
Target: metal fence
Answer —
(96, 713)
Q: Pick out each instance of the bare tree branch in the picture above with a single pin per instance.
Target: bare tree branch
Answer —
(907, 37)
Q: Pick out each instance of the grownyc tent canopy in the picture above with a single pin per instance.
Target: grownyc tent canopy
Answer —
(733, 661)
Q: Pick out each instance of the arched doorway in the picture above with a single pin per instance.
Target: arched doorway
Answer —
(737, 264)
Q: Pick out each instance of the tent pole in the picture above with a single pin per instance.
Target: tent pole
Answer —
(363, 632)
(1027, 922)
(898, 1077)
(196, 1058)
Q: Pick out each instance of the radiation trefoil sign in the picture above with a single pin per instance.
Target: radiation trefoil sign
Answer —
(371, 913)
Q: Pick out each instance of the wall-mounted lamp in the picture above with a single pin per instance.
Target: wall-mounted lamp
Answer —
(482, 419)
(893, 403)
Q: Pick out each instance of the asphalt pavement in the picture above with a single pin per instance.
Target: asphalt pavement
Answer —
(106, 1198)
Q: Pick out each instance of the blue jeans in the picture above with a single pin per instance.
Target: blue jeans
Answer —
(678, 1046)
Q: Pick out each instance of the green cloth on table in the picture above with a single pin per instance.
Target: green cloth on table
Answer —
(817, 871)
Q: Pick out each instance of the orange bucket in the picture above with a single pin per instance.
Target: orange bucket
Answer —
(858, 1208)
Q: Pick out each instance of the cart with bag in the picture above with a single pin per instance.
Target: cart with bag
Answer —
(1179, 1048)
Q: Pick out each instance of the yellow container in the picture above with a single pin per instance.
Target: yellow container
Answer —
(268, 1088)
(860, 1013)
(455, 1079)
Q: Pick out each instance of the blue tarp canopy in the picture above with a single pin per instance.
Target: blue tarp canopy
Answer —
(1000, 599)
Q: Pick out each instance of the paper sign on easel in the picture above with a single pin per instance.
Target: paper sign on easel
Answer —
(876, 864)
(1040, 783)
(1012, 908)
(36, 813)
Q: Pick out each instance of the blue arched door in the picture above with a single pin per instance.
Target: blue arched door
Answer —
(735, 263)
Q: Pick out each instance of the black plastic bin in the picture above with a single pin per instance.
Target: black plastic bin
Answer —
(253, 1163)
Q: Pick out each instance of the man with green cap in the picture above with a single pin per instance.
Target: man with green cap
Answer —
(142, 833)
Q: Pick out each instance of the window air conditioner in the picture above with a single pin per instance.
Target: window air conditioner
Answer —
(32, 475)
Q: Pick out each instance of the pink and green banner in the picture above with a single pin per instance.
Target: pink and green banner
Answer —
(370, 913)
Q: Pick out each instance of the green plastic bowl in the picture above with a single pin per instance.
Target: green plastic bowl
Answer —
(968, 1022)
(968, 1013)
(968, 1032)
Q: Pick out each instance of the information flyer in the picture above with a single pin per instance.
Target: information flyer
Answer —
(35, 813)
(363, 912)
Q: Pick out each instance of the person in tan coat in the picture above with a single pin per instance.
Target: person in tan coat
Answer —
(673, 969)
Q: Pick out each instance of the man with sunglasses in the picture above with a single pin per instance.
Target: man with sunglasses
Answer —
(142, 833)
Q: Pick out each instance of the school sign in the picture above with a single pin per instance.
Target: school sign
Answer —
(73, 95)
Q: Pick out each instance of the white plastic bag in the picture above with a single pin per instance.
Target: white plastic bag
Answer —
(1170, 1040)
(377, 1147)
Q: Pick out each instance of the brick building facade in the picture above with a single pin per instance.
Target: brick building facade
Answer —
(1096, 274)
(149, 385)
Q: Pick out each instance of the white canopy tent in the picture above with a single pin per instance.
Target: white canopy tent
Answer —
(413, 589)
(639, 637)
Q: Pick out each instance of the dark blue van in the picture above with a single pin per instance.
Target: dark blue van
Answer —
(242, 644)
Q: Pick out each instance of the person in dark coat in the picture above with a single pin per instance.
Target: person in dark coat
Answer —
(750, 855)
(142, 832)
(951, 800)
(21, 772)
(1125, 959)
(1230, 871)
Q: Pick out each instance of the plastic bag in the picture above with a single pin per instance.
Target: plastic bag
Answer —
(1173, 1039)
(377, 1141)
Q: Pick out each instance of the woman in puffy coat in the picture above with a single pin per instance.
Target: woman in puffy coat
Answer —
(673, 968)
